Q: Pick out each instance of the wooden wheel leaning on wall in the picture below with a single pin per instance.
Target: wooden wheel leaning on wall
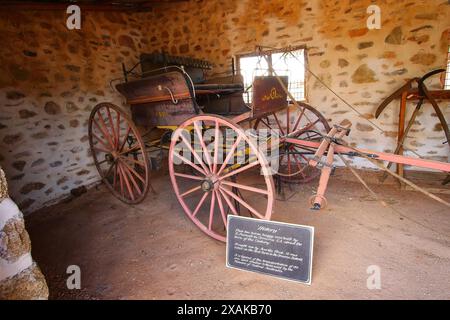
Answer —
(119, 153)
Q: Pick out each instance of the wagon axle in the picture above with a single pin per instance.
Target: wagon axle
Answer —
(110, 158)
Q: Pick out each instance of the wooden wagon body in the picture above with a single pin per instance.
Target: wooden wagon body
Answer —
(171, 97)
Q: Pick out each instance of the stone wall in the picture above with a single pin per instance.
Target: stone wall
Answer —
(363, 66)
(50, 79)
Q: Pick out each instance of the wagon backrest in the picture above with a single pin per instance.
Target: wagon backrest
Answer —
(268, 95)
(160, 100)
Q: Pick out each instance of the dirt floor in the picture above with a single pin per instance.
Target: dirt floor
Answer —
(153, 251)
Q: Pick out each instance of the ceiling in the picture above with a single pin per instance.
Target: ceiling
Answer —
(100, 5)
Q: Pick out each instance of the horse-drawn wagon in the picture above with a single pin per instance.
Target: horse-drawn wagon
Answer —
(223, 153)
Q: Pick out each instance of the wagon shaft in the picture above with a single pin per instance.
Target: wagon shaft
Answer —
(417, 162)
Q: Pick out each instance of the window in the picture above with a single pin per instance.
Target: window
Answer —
(447, 74)
(291, 64)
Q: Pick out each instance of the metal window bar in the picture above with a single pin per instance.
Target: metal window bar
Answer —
(297, 88)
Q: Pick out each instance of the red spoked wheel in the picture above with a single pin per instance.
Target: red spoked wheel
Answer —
(216, 170)
(309, 124)
(119, 153)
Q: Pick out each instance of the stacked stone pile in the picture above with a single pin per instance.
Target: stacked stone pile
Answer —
(20, 277)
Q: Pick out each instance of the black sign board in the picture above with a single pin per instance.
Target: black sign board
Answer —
(275, 248)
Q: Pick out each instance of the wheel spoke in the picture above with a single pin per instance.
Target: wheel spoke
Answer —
(139, 163)
(242, 202)
(278, 122)
(300, 168)
(306, 159)
(229, 203)
(202, 143)
(316, 135)
(266, 124)
(306, 129)
(189, 163)
(118, 128)
(281, 158)
(122, 145)
(298, 119)
(246, 167)
(115, 178)
(297, 162)
(121, 181)
(229, 155)
(133, 171)
(304, 167)
(109, 170)
(127, 183)
(312, 125)
(106, 133)
(188, 176)
(244, 187)
(190, 191)
(100, 140)
(199, 205)
(112, 126)
(289, 162)
(216, 147)
(211, 209)
(222, 211)
(196, 156)
(130, 150)
(134, 183)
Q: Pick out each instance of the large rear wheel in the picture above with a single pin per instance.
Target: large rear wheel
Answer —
(303, 122)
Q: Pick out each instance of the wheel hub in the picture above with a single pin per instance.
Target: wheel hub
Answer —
(112, 156)
(209, 184)
(109, 157)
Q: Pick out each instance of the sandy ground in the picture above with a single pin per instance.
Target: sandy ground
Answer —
(153, 251)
